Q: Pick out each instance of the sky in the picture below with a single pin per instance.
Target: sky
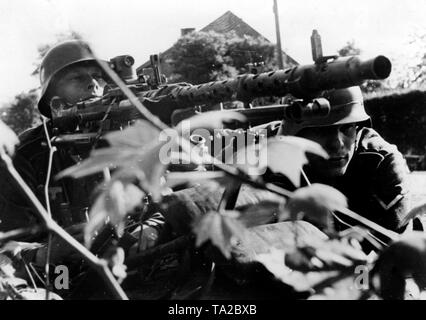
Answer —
(142, 27)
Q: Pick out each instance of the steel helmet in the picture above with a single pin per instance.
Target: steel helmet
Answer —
(56, 59)
(346, 106)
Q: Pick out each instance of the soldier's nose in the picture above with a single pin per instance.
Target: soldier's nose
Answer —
(93, 85)
(335, 141)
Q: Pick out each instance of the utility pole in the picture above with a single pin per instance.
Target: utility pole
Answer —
(277, 28)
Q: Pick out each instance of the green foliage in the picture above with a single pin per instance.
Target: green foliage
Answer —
(201, 57)
(22, 113)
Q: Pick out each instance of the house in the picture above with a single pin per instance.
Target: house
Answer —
(226, 23)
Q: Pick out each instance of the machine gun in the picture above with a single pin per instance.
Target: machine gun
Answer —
(173, 103)
(302, 82)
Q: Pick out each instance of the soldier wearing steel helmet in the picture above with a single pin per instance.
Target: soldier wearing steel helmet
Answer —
(371, 172)
(70, 72)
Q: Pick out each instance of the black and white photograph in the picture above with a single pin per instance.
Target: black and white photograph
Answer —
(227, 150)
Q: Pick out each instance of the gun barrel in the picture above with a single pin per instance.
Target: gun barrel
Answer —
(304, 82)
(301, 81)
(340, 73)
(377, 68)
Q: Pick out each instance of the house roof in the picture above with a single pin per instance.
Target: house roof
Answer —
(226, 23)
(230, 22)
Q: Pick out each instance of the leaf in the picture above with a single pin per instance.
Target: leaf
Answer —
(220, 229)
(273, 260)
(178, 178)
(314, 204)
(286, 155)
(134, 174)
(139, 135)
(6, 267)
(182, 157)
(340, 287)
(101, 159)
(303, 269)
(249, 196)
(252, 159)
(209, 120)
(39, 294)
(115, 259)
(127, 147)
(261, 213)
(113, 205)
(144, 165)
(154, 168)
(325, 256)
(281, 235)
(269, 244)
(8, 139)
(300, 260)
(415, 212)
(357, 234)
(16, 247)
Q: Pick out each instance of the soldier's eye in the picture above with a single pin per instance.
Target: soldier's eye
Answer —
(75, 77)
(348, 129)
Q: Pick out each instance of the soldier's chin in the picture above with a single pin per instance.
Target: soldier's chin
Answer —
(335, 170)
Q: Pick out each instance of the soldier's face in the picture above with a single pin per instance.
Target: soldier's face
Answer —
(79, 82)
(339, 142)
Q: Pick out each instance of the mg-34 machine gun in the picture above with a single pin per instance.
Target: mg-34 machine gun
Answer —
(166, 101)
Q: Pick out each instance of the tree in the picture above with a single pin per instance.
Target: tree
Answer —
(249, 50)
(21, 113)
(409, 68)
(198, 57)
(201, 57)
(350, 49)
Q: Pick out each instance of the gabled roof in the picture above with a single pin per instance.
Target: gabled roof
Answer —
(226, 23)
(230, 22)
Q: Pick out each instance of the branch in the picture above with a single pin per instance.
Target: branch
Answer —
(231, 171)
(19, 233)
(98, 264)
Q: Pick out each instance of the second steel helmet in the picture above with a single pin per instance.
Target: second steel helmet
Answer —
(56, 59)
(346, 106)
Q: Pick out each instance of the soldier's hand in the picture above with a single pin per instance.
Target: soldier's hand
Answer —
(61, 250)
(401, 260)
(8, 139)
